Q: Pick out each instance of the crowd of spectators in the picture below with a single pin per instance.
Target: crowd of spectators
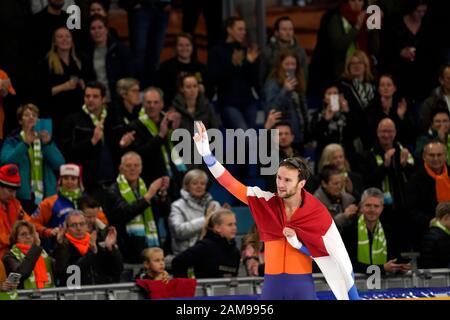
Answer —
(99, 183)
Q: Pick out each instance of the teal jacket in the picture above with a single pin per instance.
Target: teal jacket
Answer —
(15, 151)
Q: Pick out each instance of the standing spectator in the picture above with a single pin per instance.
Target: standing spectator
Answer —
(101, 7)
(216, 254)
(439, 98)
(339, 203)
(43, 24)
(108, 58)
(284, 91)
(388, 104)
(171, 72)
(283, 39)
(357, 85)
(389, 165)
(429, 186)
(128, 102)
(147, 25)
(187, 215)
(27, 258)
(438, 130)
(10, 208)
(336, 125)
(37, 157)
(77, 246)
(92, 139)
(59, 80)
(129, 208)
(192, 105)
(407, 53)
(342, 31)
(212, 12)
(435, 248)
(5, 89)
(233, 69)
(150, 136)
(369, 241)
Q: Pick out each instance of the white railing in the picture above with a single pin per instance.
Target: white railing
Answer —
(233, 286)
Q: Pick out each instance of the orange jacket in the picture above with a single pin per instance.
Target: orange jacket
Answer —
(9, 214)
(47, 209)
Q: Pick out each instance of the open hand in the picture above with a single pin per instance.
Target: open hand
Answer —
(201, 139)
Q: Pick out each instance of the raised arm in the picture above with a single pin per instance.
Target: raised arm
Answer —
(222, 175)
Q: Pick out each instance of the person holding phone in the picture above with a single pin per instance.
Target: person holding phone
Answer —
(334, 124)
(36, 155)
(284, 91)
(7, 287)
(27, 258)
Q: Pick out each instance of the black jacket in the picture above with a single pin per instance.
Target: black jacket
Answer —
(170, 73)
(422, 201)
(211, 257)
(119, 63)
(396, 173)
(77, 146)
(435, 249)
(350, 238)
(96, 268)
(119, 213)
(26, 266)
(234, 83)
(149, 148)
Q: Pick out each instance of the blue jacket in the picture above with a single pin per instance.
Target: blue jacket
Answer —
(16, 151)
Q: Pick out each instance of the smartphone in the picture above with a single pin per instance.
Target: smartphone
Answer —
(14, 277)
(290, 74)
(44, 124)
(402, 260)
(334, 102)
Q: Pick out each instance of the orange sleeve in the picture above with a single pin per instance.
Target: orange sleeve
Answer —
(234, 186)
(43, 215)
(102, 217)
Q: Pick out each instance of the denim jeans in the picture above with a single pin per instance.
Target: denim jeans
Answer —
(147, 28)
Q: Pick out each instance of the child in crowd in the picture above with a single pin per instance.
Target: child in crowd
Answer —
(154, 266)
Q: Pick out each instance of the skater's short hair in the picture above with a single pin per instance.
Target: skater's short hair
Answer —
(297, 163)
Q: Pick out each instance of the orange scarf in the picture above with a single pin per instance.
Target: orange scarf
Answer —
(81, 245)
(442, 183)
(40, 270)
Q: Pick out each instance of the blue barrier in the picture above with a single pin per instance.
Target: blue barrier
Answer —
(408, 293)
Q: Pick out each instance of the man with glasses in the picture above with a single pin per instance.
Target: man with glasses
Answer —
(282, 219)
(10, 208)
(76, 246)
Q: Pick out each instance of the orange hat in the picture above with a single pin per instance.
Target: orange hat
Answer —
(9, 176)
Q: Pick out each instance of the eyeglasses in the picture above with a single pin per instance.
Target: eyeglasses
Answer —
(75, 224)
